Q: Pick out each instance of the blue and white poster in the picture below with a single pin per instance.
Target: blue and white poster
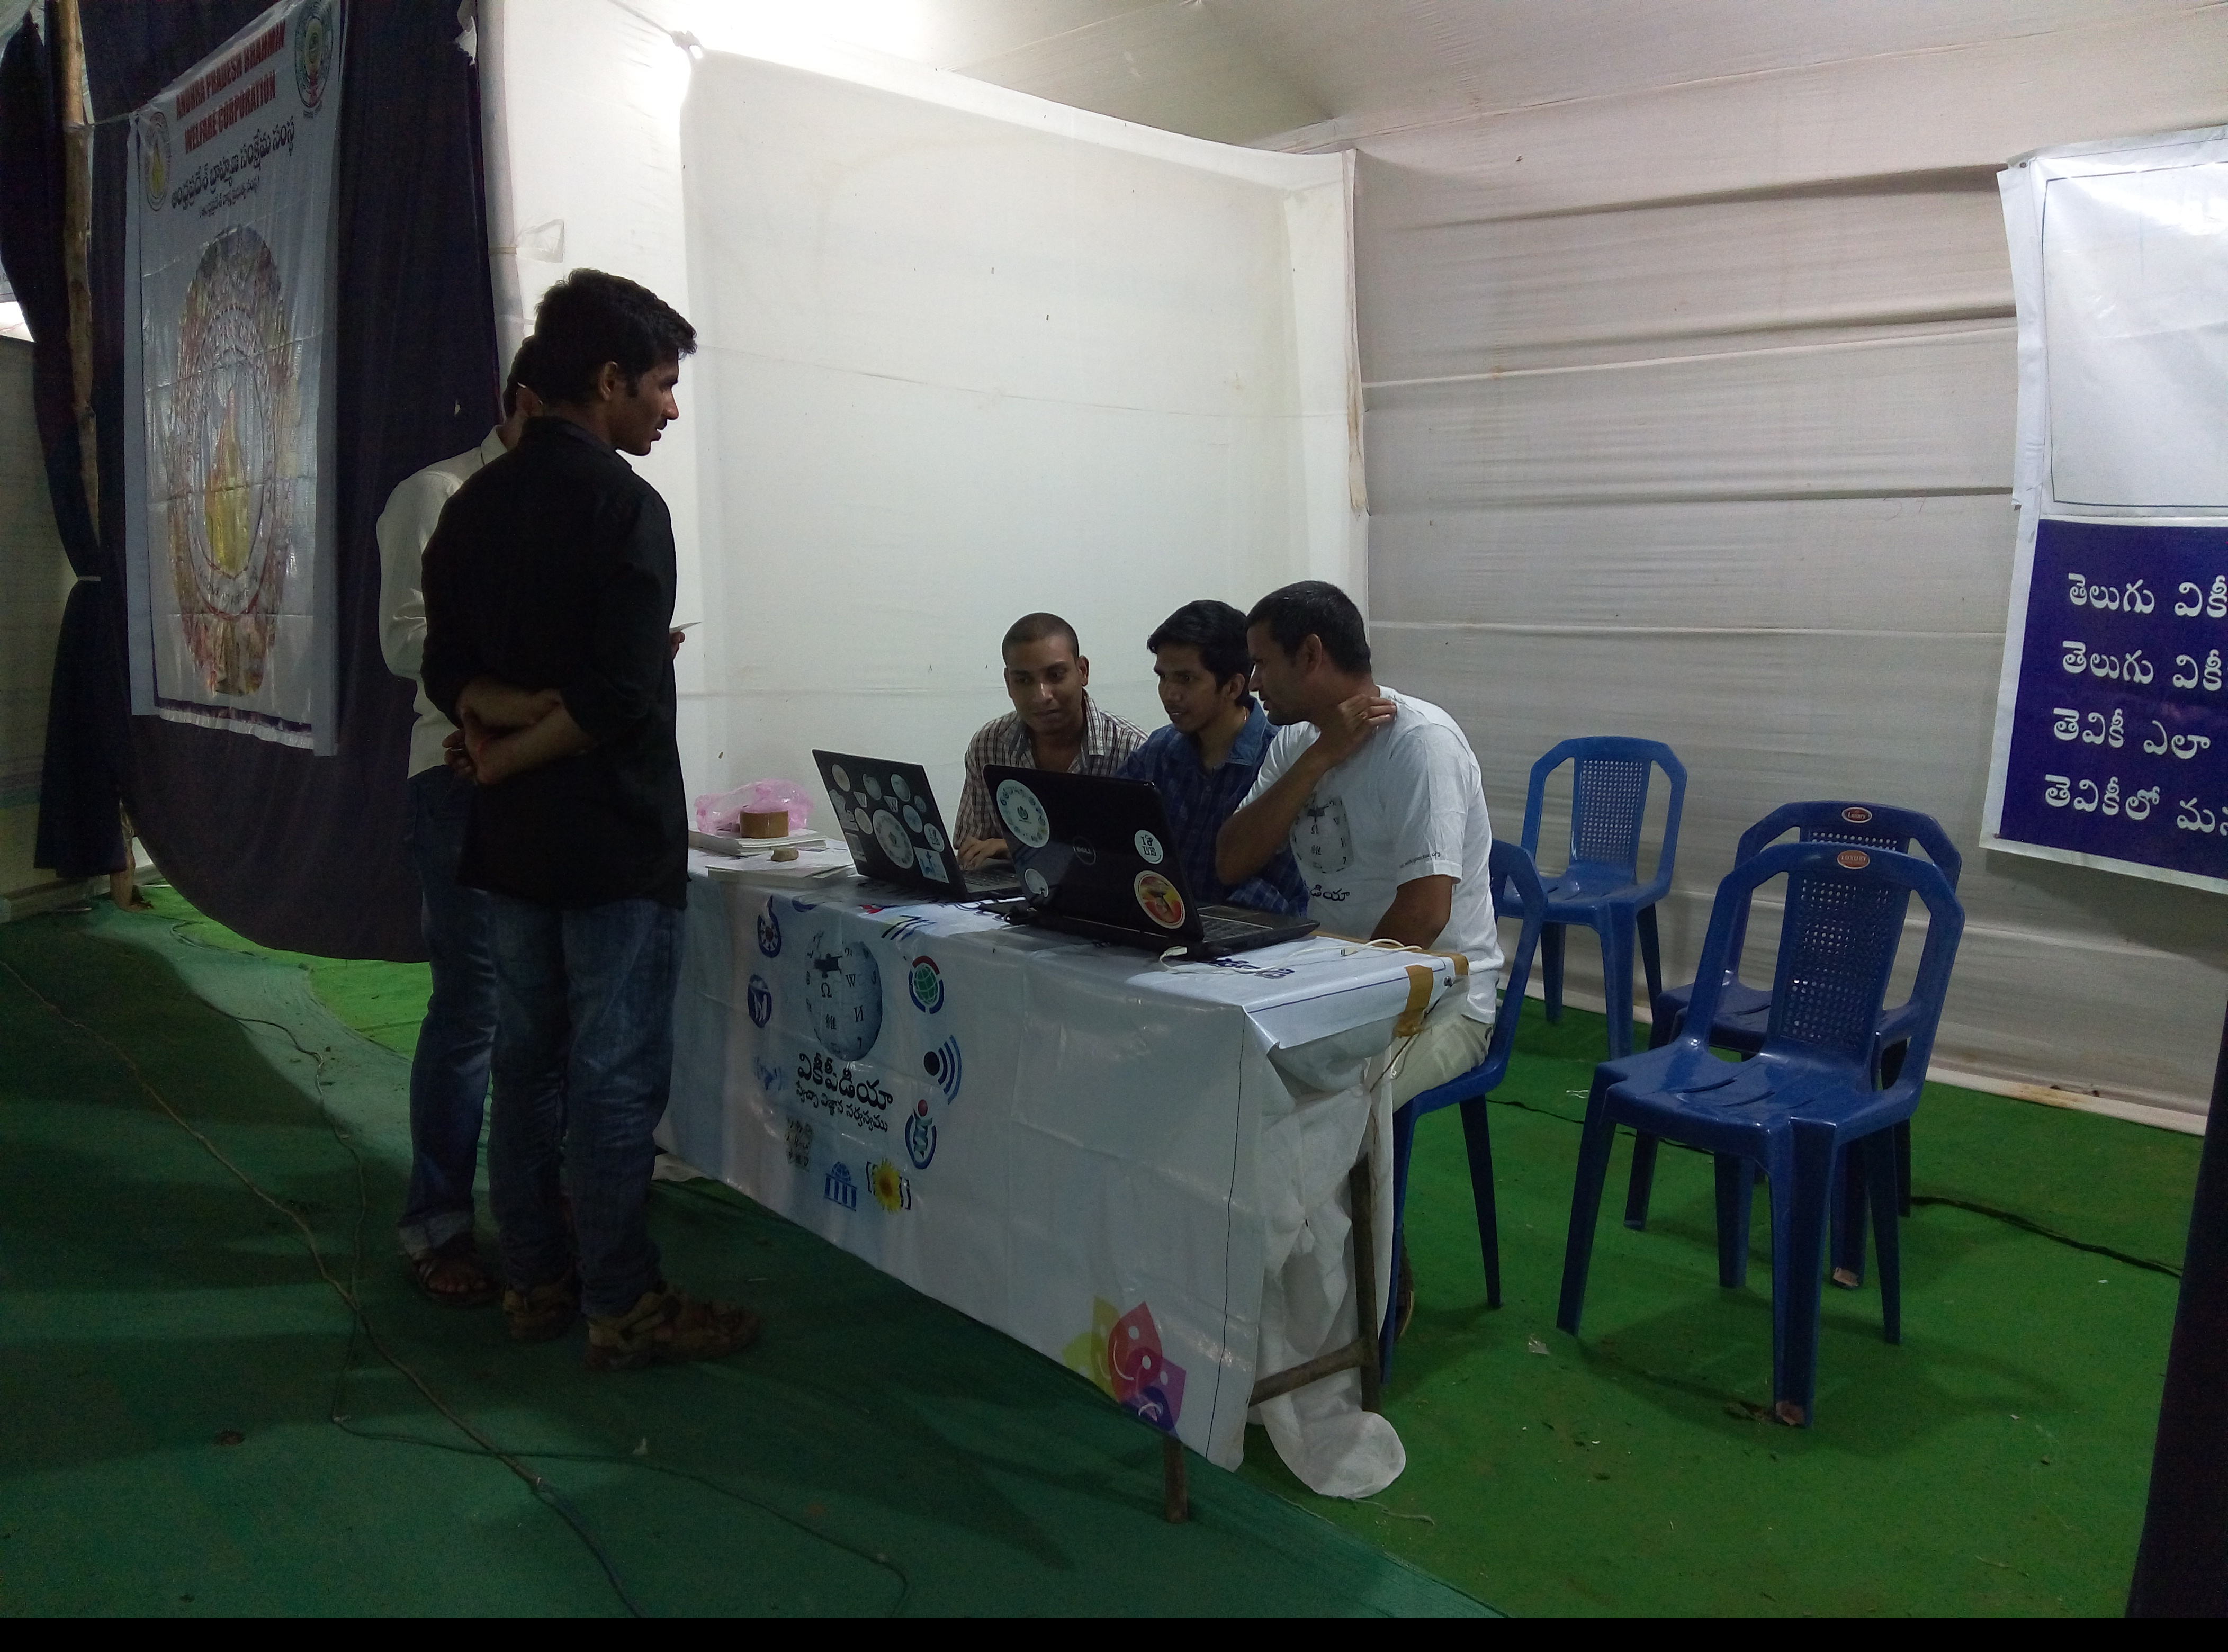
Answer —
(2111, 740)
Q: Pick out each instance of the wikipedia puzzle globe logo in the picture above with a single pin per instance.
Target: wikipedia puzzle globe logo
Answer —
(842, 994)
(226, 449)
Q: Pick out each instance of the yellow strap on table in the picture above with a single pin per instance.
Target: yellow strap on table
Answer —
(1420, 979)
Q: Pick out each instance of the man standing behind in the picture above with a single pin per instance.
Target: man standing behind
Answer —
(549, 591)
(1377, 792)
(449, 1074)
(1204, 761)
(1055, 724)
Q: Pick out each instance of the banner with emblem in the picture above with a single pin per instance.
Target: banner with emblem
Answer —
(229, 268)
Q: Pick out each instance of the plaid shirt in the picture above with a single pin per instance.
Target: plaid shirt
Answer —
(1200, 799)
(1107, 743)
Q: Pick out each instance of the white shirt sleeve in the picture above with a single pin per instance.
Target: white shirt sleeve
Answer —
(1431, 810)
(414, 509)
(1284, 747)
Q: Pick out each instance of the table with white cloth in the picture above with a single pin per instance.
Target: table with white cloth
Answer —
(1136, 1167)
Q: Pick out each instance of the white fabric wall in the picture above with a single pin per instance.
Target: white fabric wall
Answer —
(1690, 416)
(962, 354)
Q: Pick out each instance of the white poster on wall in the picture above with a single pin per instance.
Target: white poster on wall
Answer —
(228, 275)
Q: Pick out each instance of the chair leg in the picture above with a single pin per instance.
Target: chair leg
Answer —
(1736, 1178)
(1651, 954)
(1881, 1179)
(1846, 1242)
(1586, 1210)
(1643, 1184)
(1903, 1168)
(1617, 980)
(1798, 1244)
(1551, 968)
(1477, 1136)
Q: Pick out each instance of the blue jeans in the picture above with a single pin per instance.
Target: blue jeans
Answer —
(449, 1074)
(583, 1062)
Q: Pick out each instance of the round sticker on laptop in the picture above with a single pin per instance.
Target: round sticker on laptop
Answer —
(1148, 849)
(1024, 816)
(899, 789)
(892, 837)
(843, 780)
(1160, 900)
(935, 837)
(1033, 881)
(912, 817)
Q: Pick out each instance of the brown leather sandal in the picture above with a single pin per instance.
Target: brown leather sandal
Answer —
(665, 1328)
(544, 1311)
(457, 1260)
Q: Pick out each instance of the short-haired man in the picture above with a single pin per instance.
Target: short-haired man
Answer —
(1054, 724)
(549, 589)
(1205, 759)
(449, 1073)
(1377, 792)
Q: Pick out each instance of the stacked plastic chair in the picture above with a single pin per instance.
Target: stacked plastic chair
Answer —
(1600, 887)
(1516, 890)
(1805, 1105)
(1743, 1011)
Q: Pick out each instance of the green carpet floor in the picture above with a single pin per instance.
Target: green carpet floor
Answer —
(881, 1453)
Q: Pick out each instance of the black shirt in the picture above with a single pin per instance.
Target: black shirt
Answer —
(554, 568)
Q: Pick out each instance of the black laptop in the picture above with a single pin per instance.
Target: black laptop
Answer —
(888, 815)
(1097, 858)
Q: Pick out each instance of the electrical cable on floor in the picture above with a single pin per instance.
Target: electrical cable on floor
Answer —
(361, 1326)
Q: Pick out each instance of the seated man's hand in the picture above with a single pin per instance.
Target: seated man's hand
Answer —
(981, 851)
(454, 753)
(1353, 723)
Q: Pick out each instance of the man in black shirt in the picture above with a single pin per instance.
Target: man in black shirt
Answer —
(549, 589)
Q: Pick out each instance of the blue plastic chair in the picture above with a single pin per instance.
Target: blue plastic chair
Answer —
(1516, 889)
(1600, 888)
(1743, 1011)
(1802, 1105)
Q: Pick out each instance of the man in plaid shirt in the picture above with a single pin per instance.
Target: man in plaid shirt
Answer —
(1055, 724)
(1205, 759)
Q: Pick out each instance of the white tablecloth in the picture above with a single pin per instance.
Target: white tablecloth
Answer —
(1135, 1168)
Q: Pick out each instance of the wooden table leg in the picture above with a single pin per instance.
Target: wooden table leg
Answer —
(1176, 1483)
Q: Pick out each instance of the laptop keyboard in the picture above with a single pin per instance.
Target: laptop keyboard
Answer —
(1217, 929)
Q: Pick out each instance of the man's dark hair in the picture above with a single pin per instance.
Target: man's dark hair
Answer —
(1314, 608)
(1034, 628)
(1215, 629)
(590, 318)
(526, 369)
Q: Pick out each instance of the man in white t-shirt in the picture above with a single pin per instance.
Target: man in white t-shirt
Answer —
(1378, 794)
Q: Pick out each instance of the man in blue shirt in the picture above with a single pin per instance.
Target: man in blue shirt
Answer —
(1205, 760)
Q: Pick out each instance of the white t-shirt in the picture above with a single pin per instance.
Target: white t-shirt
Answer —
(1406, 805)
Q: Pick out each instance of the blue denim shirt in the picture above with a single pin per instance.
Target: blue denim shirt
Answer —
(1199, 800)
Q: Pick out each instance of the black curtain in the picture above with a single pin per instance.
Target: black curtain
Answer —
(78, 834)
(293, 850)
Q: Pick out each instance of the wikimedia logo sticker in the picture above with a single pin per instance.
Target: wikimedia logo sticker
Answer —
(760, 1000)
(921, 1136)
(1121, 1353)
(925, 983)
(942, 1065)
(838, 1188)
(891, 1191)
(769, 932)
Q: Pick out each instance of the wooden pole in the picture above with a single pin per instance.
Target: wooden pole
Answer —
(77, 244)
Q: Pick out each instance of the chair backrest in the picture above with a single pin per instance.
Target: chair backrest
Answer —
(1837, 946)
(1867, 825)
(1516, 889)
(1609, 800)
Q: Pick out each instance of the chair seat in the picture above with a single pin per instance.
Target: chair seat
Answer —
(1730, 1106)
(1571, 900)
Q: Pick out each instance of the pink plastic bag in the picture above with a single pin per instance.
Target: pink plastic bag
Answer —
(720, 813)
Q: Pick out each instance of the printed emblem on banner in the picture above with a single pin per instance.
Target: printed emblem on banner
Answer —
(154, 156)
(1159, 899)
(1322, 838)
(901, 928)
(1024, 815)
(799, 1142)
(942, 1064)
(1122, 1355)
(316, 44)
(1148, 849)
(925, 983)
(842, 994)
(1856, 860)
(1856, 814)
(837, 1187)
(921, 1136)
(760, 1000)
(768, 1076)
(769, 932)
(890, 1190)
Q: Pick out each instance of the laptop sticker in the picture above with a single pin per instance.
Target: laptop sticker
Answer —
(873, 788)
(1033, 881)
(1024, 815)
(1160, 900)
(935, 837)
(931, 865)
(899, 789)
(912, 818)
(892, 837)
(1148, 849)
(842, 779)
